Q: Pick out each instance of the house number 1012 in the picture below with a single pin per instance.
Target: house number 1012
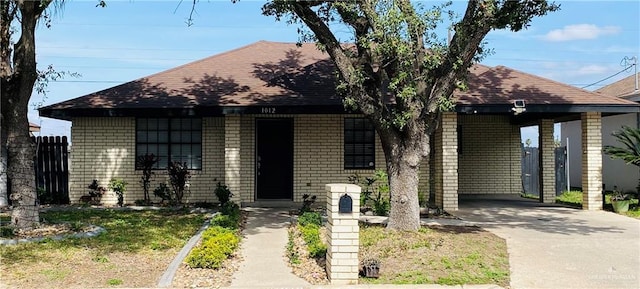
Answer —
(270, 110)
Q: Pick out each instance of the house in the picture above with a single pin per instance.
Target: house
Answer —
(33, 128)
(265, 120)
(615, 172)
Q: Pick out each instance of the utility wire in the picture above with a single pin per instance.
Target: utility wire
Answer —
(621, 71)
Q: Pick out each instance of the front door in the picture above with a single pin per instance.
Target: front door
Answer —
(274, 159)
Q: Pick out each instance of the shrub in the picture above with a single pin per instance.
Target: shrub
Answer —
(146, 163)
(118, 186)
(223, 193)
(179, 178)
(217, 245)
(310, 218)
(230, 209)
(311, 236)
(163, 192)
(225, 221)
(307, 202)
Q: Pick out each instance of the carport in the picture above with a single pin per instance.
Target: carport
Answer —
(477, 147)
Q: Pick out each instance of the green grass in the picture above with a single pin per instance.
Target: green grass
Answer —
(436, 255)
(572, 198)
(126, 231)
(115, 282)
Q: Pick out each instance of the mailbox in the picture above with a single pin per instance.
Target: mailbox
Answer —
(345, 205)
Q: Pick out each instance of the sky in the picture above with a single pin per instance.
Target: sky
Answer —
(584, 43)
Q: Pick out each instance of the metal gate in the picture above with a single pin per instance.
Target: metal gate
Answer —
(531, 170)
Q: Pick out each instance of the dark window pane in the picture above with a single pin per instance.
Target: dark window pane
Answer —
(141, 136)
(359, 144)
(186, 137)
(175, 137)
(163, 136)
(196, 124)
(163, 124)
(152, 124)
(152, 136)
(196, 136)
(142, 124)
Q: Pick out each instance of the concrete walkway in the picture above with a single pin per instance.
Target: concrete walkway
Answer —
(263, 252)
(552, 246)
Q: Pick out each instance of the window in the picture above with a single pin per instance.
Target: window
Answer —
(359, 144)
(171, 139)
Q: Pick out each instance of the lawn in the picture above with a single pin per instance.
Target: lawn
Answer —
(574, 198)
(133, 252)
(445, 255)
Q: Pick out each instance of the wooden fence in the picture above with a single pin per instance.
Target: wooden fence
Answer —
(52, 169)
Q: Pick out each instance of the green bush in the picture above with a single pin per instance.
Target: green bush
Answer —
(310, 218)
(225, 221)
(217, 245)
(230, 208)
(223, 193)
(311, 236)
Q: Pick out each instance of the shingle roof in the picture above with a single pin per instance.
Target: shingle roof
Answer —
(282, 74)
(503, 85)
(624, 88)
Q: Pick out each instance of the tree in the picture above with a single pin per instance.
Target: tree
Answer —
(629, 152)
(399, 73)
(18, 75)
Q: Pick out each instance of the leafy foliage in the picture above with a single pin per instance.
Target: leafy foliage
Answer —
(399, 72)
(163, 192)
(118, 186)
(308, 218)
(629, 152)
(179, 176)
(311, 236)
(146, 163)
(307, 202)
(219, 241)
(223, 194)
(217, 245)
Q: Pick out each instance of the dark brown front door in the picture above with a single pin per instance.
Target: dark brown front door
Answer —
(274, 159)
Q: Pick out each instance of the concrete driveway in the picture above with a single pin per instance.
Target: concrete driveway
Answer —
(552, 246)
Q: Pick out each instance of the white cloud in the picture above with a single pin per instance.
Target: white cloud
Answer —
(592, 69)
(580, 32)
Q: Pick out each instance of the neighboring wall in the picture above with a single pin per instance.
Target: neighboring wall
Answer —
(489, 155)
(104, 148)
(614, 172)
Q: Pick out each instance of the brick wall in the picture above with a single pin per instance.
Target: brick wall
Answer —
(318, 155)
(489, 160)
(104, 148)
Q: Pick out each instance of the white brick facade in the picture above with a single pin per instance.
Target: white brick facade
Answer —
(104, 148)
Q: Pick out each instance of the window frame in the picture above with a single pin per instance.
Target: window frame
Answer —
(172, 128)
(366, 145)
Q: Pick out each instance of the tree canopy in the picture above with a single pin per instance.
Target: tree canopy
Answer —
(399, 72)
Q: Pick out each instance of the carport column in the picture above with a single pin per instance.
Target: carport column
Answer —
(591, 160)
(547, 161)
(232, 155)
(446, 146)
(343, 234)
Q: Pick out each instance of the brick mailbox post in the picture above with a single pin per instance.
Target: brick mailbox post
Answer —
(343, 212)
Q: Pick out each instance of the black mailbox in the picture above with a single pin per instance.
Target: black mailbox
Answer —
(345, 205)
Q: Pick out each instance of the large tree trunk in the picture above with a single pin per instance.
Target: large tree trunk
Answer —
(404, 151)
(4, 192)
(17, 81)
